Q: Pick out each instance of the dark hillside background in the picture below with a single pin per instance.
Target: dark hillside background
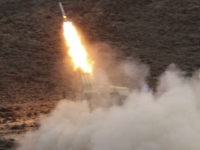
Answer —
(157, 32)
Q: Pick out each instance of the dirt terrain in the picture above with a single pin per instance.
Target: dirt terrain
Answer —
(33, 73)
(19, 117)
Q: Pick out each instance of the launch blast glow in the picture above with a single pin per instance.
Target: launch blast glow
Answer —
(77, 51)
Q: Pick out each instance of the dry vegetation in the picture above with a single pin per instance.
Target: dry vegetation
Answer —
(31, 47)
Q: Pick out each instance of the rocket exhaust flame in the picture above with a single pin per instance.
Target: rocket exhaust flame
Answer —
(77, 50)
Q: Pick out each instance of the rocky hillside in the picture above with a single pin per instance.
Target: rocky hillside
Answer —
(156, 32)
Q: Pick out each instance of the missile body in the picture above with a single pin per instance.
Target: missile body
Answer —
(62, 11)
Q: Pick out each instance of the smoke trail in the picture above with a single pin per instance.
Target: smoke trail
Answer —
(168, 119)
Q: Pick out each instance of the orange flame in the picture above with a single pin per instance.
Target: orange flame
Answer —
(77, 50)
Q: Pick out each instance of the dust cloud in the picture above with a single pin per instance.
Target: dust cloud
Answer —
(167, 119)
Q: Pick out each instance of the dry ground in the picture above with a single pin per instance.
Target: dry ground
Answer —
(18, 117)
(33, 75)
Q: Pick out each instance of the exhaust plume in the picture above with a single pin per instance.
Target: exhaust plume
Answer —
(168, 119)
(77, 50)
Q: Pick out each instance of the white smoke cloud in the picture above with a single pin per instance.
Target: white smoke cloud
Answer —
(168, 119)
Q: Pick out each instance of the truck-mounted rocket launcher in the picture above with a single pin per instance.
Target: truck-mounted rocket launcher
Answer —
(90, 91)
